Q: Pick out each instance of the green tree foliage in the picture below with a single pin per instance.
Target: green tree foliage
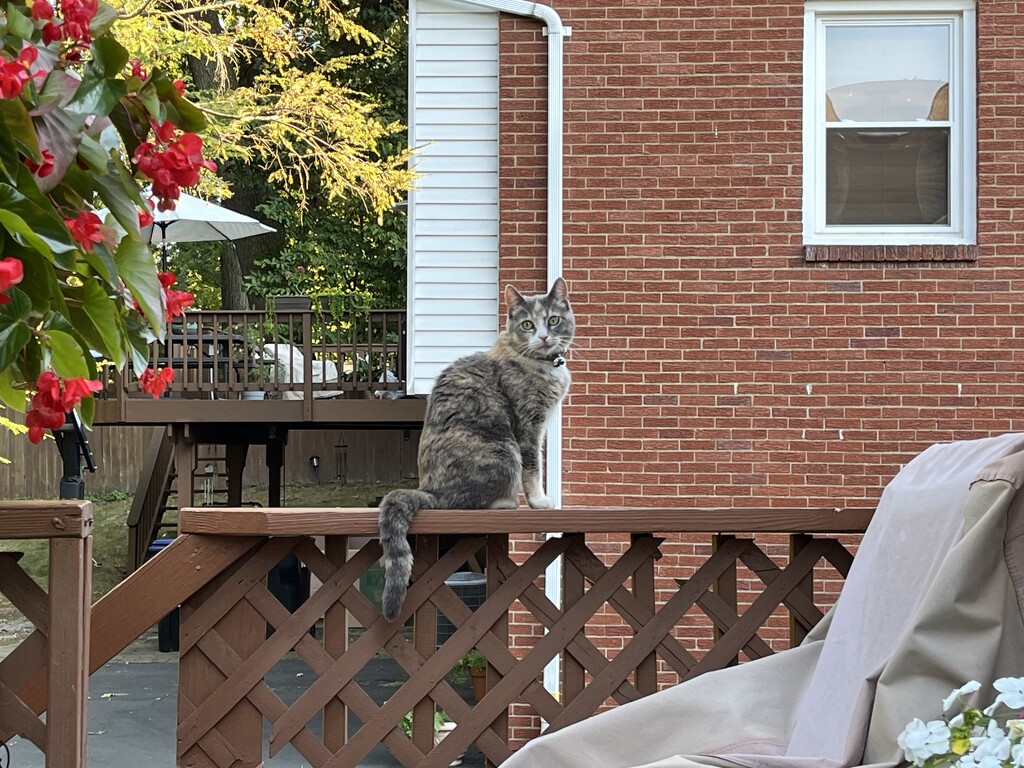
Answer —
(306, 102)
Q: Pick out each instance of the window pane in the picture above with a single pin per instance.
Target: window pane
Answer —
(886, 73)
(887, 176)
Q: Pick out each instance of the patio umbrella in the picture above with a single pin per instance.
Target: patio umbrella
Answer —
(197, 221)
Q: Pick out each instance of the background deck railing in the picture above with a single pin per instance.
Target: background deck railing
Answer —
(290, 354)
(235, 630)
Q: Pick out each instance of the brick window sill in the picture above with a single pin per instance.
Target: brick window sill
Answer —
(890, 253)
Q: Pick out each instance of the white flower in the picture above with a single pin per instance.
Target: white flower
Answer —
(957, 693)
(1016, 729)
(1011, 693)
(1017, 755)
(994, 743)
(971, 760)
(921, 740)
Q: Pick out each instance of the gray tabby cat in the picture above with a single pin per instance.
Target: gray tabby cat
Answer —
(484, 427)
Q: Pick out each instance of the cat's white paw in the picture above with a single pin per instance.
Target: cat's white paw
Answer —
(539, 502)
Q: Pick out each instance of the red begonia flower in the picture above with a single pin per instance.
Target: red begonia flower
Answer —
(42, 10)
(75, 390)
(12, 272)
(86, 229)
(155, 382)
(78, 15)
(44, 169)
(52, 32)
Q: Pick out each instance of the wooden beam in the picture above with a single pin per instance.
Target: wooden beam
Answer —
(337, 521)
(139, 602)
(69, 519)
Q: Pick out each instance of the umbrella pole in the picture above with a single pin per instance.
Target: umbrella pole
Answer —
(163, 243)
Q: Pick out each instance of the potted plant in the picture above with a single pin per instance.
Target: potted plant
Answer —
(443, 725)
(475, 663)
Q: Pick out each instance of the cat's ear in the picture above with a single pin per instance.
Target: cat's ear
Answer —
(559, 290)
(513, 298)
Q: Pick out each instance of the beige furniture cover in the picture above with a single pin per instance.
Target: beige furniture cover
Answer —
(932, 601)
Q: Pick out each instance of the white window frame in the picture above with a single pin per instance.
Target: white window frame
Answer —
(963, 193)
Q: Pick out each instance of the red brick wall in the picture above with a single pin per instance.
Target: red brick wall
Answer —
(715, 367)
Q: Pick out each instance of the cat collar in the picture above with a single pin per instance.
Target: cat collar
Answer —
(558, 361)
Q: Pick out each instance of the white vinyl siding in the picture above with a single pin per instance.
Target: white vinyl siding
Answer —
(453, 211)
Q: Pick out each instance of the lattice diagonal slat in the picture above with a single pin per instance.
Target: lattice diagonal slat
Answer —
(225, 645)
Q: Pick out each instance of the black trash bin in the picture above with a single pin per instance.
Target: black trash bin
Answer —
(288, 581)
(472, 589)
(167, 627)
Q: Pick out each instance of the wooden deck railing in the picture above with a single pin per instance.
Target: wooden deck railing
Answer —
(217, 571)
(61, 639)
(224, 700)
(294, 354)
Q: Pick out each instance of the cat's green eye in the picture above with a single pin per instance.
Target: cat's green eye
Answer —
(527, 325)
(553, 321)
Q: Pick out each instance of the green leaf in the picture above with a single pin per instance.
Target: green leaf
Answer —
(19, 24)
(119, 202)
(131, 122)
(57, 91)
(16, 126)
(97, 96)
(102, 313)
(136, 267)
(105, 265)
(103, 20)
(102, 88)
(10, 395)
(151, 101)
(180, 111)
(47, 233)
(18, 308)
(94, 155)
(13, 338)
(139, 340)
(87, 410)
(55, 321)
(109, 57)
(37, 283)
(67, 356)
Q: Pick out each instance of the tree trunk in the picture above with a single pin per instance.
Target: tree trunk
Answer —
(236, 259)
(232, 293)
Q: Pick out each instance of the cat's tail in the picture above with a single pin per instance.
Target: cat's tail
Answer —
(396, 513)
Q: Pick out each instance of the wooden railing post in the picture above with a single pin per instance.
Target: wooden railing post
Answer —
(725, 585)
(336, 643)
(68, 683)
(425, 642)
(62, 618)
(797, 630)
(573, 672)
(497, 548)
(307, 365)
(643, 590)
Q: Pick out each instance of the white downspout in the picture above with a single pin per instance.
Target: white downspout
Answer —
(555, 33)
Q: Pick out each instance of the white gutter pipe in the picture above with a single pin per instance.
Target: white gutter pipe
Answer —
(555, 33)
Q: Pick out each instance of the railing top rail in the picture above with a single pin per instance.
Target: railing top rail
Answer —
(298, 521)
(45, 519)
